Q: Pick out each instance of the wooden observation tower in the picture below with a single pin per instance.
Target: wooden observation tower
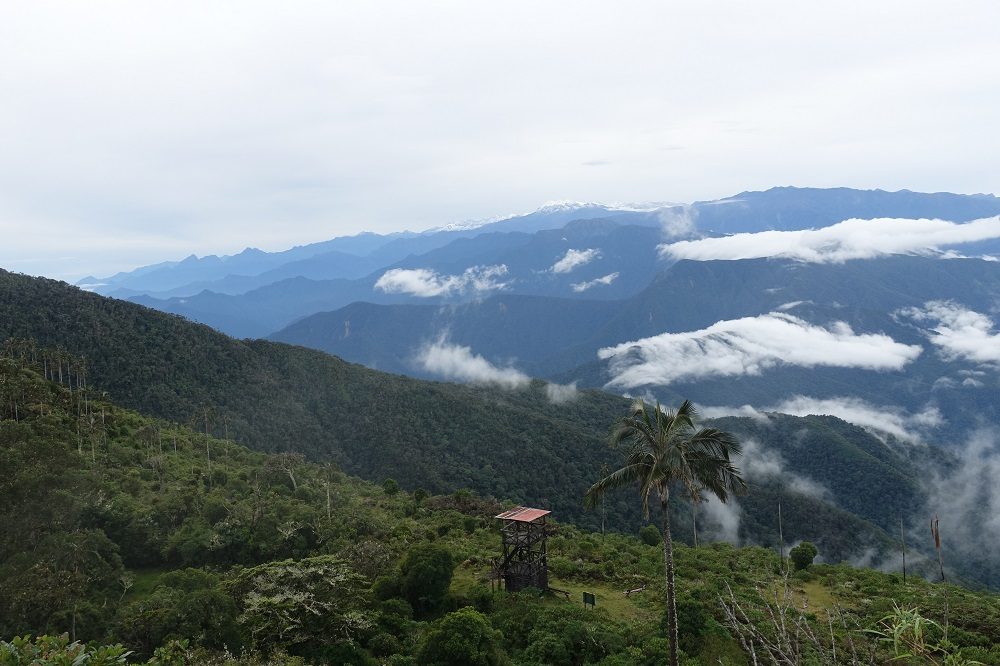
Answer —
(524, 561)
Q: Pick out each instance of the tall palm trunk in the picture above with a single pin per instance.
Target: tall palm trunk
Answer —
(668, 565)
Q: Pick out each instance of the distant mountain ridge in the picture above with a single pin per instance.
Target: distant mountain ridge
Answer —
(558, 338)
(233, 273)
(626, 253)
(254, 294)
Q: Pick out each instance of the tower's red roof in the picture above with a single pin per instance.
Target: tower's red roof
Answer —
(523, 514)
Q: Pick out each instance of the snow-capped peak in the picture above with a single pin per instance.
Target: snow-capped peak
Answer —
(558, 206)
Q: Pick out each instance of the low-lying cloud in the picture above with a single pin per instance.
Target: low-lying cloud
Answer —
(459, 363)
(720, 521)
(791, 305)
(850, 239)
(760, 464)
(574, 259)
(584, 286)
(958, 332)
(749, 346)
(560, 394)
(967, 500)
(678, 221)
(426, 283)
(892, 420)
(880, 418)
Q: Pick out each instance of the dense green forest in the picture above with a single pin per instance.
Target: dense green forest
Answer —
(512, 444)
(184, 548)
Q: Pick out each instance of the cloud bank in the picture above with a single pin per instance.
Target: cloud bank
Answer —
(426, 283)
(584, 286)
(573, 259)
(458, 363)
(958, 333)
(967, 500)
(678, 221)
(720, 521)
(560, 394)
(748, 346)
(850, 239)
(882, 418)
(760, 464)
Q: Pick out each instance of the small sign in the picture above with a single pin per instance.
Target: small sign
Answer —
(589, 599)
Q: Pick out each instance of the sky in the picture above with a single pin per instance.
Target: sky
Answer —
(132, 133)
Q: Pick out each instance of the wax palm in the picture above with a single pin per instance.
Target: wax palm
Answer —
(663, 449)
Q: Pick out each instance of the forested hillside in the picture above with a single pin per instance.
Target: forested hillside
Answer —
(515, 445)
(276, 397)
(186, 548)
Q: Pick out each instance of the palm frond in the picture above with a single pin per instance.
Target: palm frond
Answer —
(663, 447)
(619, 478)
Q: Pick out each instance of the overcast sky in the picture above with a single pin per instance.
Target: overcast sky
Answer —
(134, 132)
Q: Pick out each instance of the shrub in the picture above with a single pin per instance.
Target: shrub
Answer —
(650, 535)
(425, 577)
(803, 555)
(462, 638)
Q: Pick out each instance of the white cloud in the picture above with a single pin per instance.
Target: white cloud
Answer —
(559, 394)
(748, 346)
(573, 259)
(887, 419)
(785, 307)
(584, 286)
(967, 499)
(851, 239)
(882, 418)
(678, 221)
(714, 412)
(959, 333)
(760, 464)
(426, 283)
(457, 362)
(273, 128)
(720, 520)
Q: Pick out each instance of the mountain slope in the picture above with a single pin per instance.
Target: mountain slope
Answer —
(512, 444)
(617, 261)
(560, 339)
(142, 532)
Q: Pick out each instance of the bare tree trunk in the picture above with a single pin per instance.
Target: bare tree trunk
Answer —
(781, 541)
(694, 522)
(902, 540)
(668, 564)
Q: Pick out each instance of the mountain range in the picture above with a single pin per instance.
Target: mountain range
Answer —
(871, 307)
(844, 488)
(549, 252)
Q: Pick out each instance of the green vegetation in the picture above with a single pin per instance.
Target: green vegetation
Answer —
(802, 555)
(130, 538)
(279, 398)
(462, 638)
(273, 559)
(650, 535)
(432, 436)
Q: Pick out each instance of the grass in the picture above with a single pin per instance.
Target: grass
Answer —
(639, 606)
(819, 597)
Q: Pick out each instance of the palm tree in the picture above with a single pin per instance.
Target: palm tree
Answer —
(664, 449)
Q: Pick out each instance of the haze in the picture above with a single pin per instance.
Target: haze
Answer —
(138, 132)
